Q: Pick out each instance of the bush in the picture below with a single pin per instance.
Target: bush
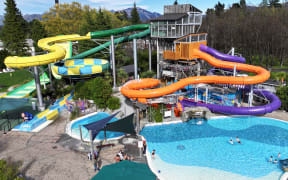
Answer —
(9, 170)
(147, 74)
(75, 113)
(97, 89)
(282, 93)
(158, 116)
(113, 103)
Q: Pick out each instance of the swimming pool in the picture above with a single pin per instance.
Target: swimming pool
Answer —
(189, 151)
(75, 132)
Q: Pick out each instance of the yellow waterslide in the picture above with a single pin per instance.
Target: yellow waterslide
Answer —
(57, 52)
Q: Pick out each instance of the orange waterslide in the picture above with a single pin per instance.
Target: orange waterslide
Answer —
(134, 88)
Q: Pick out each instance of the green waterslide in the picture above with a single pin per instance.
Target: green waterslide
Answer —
(116, 41)
(26, 89)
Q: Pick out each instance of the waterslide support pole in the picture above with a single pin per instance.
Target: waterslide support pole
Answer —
(41, 107)
(234, 71)
(198, 69)
(250, 96)
(135, 58)
(113, 62)
(137, 121)
(206, 98)
(50, 76)
(91, 143)
(196, 94)
(158, 59)
(80, 130)
(149, 49)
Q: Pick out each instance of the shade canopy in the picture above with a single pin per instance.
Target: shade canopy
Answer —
(125, 170)
(124, 125)
(97, 126)
(8, 104)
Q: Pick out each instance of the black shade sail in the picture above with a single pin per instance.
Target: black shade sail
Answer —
(124, 125)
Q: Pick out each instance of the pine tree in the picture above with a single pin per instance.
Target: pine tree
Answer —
(37, 32)
(264, 3)
(135, 19)
(13, 32)
(243, 3)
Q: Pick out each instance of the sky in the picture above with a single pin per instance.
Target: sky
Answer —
(40, 6)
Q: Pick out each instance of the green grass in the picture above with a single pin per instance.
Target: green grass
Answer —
(279, 67)
(18, 77)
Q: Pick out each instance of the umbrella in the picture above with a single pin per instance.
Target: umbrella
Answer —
(8, 104)
(125, 170)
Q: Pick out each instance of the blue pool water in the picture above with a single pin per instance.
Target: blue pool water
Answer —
(85, 134)
(207, 145)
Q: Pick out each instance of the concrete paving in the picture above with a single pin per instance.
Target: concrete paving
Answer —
(52, 154)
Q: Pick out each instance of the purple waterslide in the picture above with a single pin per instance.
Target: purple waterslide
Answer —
(221, 56)
(275, 103)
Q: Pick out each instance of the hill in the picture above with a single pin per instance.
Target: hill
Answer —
(143, 14)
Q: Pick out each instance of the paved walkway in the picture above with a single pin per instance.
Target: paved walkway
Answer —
(51, 154)
(43, 157)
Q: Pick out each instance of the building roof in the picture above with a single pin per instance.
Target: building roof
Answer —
(128, 69)
(171, 16)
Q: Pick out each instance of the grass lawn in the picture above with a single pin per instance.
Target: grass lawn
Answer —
(18, 77)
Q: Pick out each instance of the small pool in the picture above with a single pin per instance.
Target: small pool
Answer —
(189, 151)
(75, 132)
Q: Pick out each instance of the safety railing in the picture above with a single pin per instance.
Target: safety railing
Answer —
(183, 47)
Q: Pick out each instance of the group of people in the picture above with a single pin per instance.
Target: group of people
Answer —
(120, 156)
(231, 141)
(275, 160)
(26, 116)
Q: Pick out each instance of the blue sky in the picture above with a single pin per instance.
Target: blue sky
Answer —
(40, 6)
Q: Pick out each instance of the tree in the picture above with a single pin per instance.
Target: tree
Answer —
(135, 19)
(3, 54)
(113, 103)
(102, 91)
(242, 3)
(175, 2)
(63, 19)
(103, 20)
(97, 89)
(13, 32)
(275, 3)
(147, 74)
(236, 6)
(282, 93)
(219, 8)
(37, 32)
(122, 76)
(264, 3)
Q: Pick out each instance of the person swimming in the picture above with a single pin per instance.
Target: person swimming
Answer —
(237, 139)
(153, 154)
(231, 141)
(271, 159)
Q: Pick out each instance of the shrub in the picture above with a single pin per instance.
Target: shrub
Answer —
(113, 103)
(9, 170)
